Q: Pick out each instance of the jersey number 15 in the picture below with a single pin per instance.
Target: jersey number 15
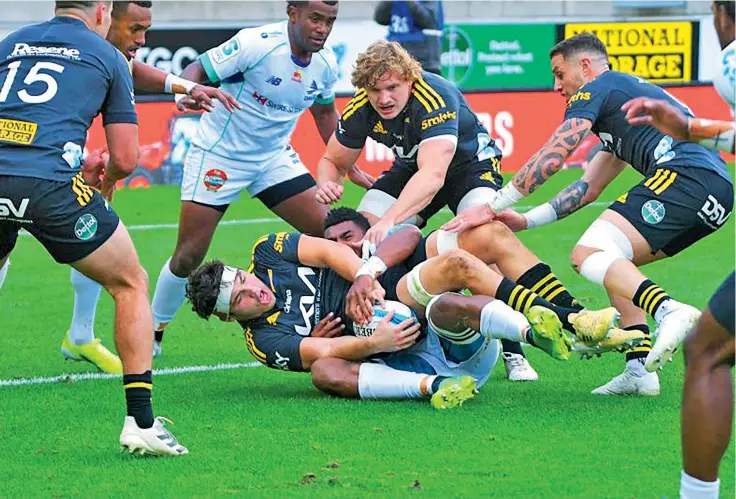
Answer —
(33, 76)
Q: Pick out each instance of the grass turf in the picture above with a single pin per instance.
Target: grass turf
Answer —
(261, 433)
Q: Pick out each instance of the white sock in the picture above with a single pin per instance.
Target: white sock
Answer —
(692, 488)
(4, 272)
(86, 295)
(377, 381)
(665, 308)
(168, 297)
(637, 367)
(498, 320)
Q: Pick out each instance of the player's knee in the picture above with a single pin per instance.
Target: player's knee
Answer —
(332, 376)
(579, 254)
(457, 266)
(446, 308)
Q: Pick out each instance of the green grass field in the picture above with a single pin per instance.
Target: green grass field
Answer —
(255, 432)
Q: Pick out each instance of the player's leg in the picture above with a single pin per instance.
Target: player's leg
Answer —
(4, 266)
(8, 238)
(79, 343)
(707, 396)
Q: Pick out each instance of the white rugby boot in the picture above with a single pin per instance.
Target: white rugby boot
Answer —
(155, 441)
(631, 383)
(675, 320)
(518, 368)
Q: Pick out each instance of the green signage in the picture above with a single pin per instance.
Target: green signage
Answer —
(490, 56)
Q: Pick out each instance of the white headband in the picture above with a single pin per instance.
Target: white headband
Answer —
(226, 290)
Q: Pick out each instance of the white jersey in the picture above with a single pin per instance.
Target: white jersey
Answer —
(725, 77)
(274, 88)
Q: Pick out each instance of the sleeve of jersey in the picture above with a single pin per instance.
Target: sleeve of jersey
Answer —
(587, 102)
(328, 94)
(439, 112)
(352, 128)
(119, 106)
(275, 348)
(231, 57)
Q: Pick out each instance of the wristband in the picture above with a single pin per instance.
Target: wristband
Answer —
(541, 215)
(178, 97)
(373, 267)
(505, 198)
(176, 85)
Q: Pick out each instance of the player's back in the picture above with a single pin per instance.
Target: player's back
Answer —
(55, 78)
(643, 147)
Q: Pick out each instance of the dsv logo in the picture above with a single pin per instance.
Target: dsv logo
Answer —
(8, 208)
(713, 211)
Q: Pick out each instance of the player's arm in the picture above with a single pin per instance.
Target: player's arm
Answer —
(323, 253)
(332, 168)
(122, 144)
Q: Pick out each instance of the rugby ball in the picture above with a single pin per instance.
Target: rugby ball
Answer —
(401, 313)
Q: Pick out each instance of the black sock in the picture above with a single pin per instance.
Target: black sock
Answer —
(138, 398)
(521, 299)
(649, 297)
(512, 347)
(641, 351)
(530, 337)
(436, 383)
(158, 335)
(542, 281)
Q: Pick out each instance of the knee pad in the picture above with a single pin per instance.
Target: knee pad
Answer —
(376, 203)
(476, 197)
(415, 288)
(604, 235)
(464, 337)
(446, 241)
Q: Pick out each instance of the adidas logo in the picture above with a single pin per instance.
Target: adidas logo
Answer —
(379, 128)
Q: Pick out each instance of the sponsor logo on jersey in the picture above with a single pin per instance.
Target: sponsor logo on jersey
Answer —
(25, 50)
(487, 176)
(713, 213)
(399, 151)
(271, 319)
(312, 91)
(287, 303)
(282, 362)
(653, 212)
(579, 96)
(214, 180)
(439, 119)
(378, 128)
(270, 33)
(17, 132)
(225, 51)
(8, 208)
(260, 98)
(297, 76)
(278, 243)
(86, 227)
(274, 80)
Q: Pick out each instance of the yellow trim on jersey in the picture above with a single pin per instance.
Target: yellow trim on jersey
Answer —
(662, 179)
(421, 99)
(433, 92)
(353, 106)
(260, 240)
(252, 348)
(147, 386)
(270, 279)
(426, 94)
(654, 178)
(666, 184)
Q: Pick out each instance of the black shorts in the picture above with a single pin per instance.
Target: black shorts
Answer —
(675, 207)
(722, 303)
(69, 218)
(458, 182)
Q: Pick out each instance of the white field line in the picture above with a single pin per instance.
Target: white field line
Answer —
(71, 378)
(258, 221)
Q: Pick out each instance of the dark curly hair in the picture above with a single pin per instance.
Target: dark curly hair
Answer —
(203, 286)
(345, 214)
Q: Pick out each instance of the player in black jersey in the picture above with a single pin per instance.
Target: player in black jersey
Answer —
(686, 194)
(57, 76)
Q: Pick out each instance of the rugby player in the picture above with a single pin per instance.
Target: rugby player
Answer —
(707, 396)
(294, 280)
(58, 75)
(276, 71)
(686, 195)
(444, 156)
(130, 21)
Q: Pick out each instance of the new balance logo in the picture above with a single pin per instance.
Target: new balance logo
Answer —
(379, 128)
(274, 80)
(7, 208)
(713, 213)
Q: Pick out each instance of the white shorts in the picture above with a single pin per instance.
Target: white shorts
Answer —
(479, 365)
(216, 181)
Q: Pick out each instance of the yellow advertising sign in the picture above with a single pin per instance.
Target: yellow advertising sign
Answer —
(660, 52)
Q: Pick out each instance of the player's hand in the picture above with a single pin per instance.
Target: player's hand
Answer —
(362, 295)
(328, 327)
(203, 96)
(329, 192)
(93, 168)
(379, 231)
(361, 178)
(107, 188)
(513, 220)
(472, 217)
(394, 337)
(657, 113)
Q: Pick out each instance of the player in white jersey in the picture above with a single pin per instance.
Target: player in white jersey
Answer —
(276, 72)
(725, 78)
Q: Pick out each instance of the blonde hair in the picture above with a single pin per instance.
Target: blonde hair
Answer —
(383, 57)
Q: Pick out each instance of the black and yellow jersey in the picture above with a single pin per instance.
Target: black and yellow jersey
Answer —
(435, 108)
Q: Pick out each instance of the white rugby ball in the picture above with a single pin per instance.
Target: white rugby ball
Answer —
(401, 313)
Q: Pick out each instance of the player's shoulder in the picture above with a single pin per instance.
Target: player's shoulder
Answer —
(263, 38)
(431, 93)
(271, 246)
(358, 107)
(328, 57)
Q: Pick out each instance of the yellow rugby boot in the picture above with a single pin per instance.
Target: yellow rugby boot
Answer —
(617, 340)
(453, 392)
(547, 333)
(592, 326)
(94, 353)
